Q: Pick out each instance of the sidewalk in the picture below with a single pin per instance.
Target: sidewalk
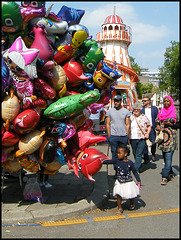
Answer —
(71, 196)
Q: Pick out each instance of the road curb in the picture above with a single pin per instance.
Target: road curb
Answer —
(54, 212)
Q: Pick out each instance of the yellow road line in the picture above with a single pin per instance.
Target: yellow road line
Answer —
(159, 212)
(108, 218)
(133, 215)
(65, 222)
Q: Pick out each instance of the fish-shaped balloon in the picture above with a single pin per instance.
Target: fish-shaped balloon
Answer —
(78, 144)
(90, 162)
(70, 105)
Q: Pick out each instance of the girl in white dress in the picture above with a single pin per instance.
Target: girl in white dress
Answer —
(125, 187)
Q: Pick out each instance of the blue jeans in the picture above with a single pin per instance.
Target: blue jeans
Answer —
(167, 156)
(114, 142)
(138, 146)
(152, 137)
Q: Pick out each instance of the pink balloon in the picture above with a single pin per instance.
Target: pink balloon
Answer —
(41, 43)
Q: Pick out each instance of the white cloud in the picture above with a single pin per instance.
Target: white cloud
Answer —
(146, 33)
(141, 32)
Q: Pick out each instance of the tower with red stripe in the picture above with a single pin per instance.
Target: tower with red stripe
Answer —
(114, 39)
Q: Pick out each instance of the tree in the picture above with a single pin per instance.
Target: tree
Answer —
(140, 88)
(169, 72)
(134, 65)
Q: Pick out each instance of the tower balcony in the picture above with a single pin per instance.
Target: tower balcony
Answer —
(119, 33)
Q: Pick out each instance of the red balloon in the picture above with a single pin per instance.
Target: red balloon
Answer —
(90, 161)
(38, 103)
(74, 72)
(9, 138)
(87, 139)
(46, 90)
(26, 121)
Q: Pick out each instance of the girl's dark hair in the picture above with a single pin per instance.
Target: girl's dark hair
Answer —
(126, 148)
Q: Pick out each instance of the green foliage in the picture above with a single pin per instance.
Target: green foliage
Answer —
(169, 72)
(140, 88)
(134, 65)
(144, 88)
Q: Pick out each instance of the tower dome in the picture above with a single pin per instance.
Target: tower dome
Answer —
(113, 19)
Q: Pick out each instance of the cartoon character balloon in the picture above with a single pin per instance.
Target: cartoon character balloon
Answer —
(67, 51)
(11, 21)
(21, 62)
(104, 76)
(90, 56)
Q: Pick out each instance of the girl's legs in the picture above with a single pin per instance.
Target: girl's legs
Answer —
(47, 184)
(131, 207)
(46, 177)
(41, 176)
(119, 200)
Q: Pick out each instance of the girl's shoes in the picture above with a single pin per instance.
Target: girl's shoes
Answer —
(164, 181)
(131, 207)
(45, 184)
(119, 212)
(42, 184)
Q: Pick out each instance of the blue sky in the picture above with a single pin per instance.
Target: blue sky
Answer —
(154, 25)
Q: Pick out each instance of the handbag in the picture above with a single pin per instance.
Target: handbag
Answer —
(148, 142)
(159, 137)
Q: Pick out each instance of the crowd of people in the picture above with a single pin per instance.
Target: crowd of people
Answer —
(144, 124)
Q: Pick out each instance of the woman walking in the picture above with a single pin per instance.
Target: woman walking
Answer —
(168, 121)
(140, 128)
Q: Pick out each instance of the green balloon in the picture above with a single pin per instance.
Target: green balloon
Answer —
(71, 105)
(89, 55)
(11, 17)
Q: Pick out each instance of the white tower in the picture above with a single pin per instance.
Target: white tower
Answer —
(114, 39)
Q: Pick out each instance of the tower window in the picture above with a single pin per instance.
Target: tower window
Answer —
(105, 28)
(116, 27)
(110, 27)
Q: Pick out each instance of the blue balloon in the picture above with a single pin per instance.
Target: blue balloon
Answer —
(60, 157)
(70, 15)
(5, 77)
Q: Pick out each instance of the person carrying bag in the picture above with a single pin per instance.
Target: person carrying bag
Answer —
(140, 128)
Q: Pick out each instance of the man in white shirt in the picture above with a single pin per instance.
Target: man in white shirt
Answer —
(151, 112)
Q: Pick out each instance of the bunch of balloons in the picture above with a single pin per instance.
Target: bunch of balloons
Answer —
(53, 78)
